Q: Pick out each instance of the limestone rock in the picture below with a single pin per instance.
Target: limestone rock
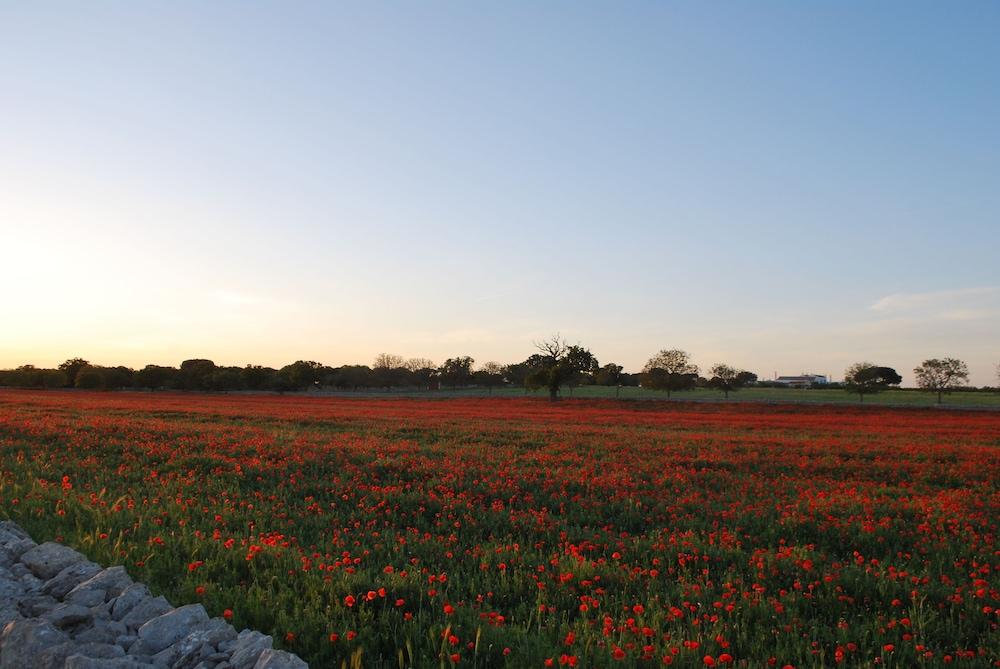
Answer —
(165, 658)
(18, 571)
(54, 657)
(83, 662)
(11, 552)
(9, 527)
(101, 634)
(11, 589)
(248, 648)
(8, 614)
(99, 650)
(31, 583)
(70, 577)
(212, 632)
(68, 615)
(88, 598)
(50, 558)
(36, 606)
(22, 642)
(112, 582)
(279, 659)
(60, 611)
(145, 611)
(126, 601)
(171, 627)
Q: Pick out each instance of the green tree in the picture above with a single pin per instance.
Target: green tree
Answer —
(118, 377)
(196, 374)
(609, 375)
(941, 375)
(156, 376)
(670, 370)
(728, 379)
(353, 377)
(583, 367)
(90, 378)
(227, 378)
(256, 377)
(865, 378)
(517, 374)
(302, 374)
(489, 375)
(456, 371)
(71, 368)
(388, 370)
(557, 364)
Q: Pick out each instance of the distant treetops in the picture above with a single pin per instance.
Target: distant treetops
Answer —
(556, 365)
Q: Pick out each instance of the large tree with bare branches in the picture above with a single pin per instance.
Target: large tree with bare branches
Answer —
(558, 363)
(941, 375)
(670, 370)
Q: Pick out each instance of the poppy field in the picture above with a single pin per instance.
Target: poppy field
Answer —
(514, 532)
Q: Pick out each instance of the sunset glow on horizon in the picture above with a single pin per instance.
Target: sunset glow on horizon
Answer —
(786, 189)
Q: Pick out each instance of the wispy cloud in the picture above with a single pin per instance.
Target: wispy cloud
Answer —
(933, 299)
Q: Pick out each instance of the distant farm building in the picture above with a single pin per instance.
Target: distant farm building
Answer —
(802, 381)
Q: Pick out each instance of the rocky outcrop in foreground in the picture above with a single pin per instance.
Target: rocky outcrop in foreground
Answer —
(58, 610)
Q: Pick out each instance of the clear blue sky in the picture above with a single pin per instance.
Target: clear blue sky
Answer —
(784, 186)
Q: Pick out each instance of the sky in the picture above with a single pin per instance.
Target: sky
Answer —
(786, 187)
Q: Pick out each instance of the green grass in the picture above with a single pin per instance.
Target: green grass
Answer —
(909, 398)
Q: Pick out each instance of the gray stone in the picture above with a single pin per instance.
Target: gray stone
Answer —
(31, 583)
(10, 589)
(54, 657)
(22, 642)
(8, 614)
(102, 612)
(165, 658)
(88, 598)
(18, 571)
(171, 627)
(212, 632)
(13, 529)
(279, 659)
(112, 582)
(35, 606)
(82, 662)
(68, 615)
(126, 601)
(99, 650)
(145, 611)
(97, 634)
(70, 577)
(11, 552)
(106, 621)
(190, 657)
(249, 645)
(50, 558)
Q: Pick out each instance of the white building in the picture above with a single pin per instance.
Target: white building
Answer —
(802, 380)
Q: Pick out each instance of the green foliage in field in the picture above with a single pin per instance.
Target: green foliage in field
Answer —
(509, 533)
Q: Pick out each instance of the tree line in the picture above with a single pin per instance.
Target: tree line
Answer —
(556, 366)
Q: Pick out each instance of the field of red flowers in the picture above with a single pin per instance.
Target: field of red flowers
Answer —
(518, 533)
